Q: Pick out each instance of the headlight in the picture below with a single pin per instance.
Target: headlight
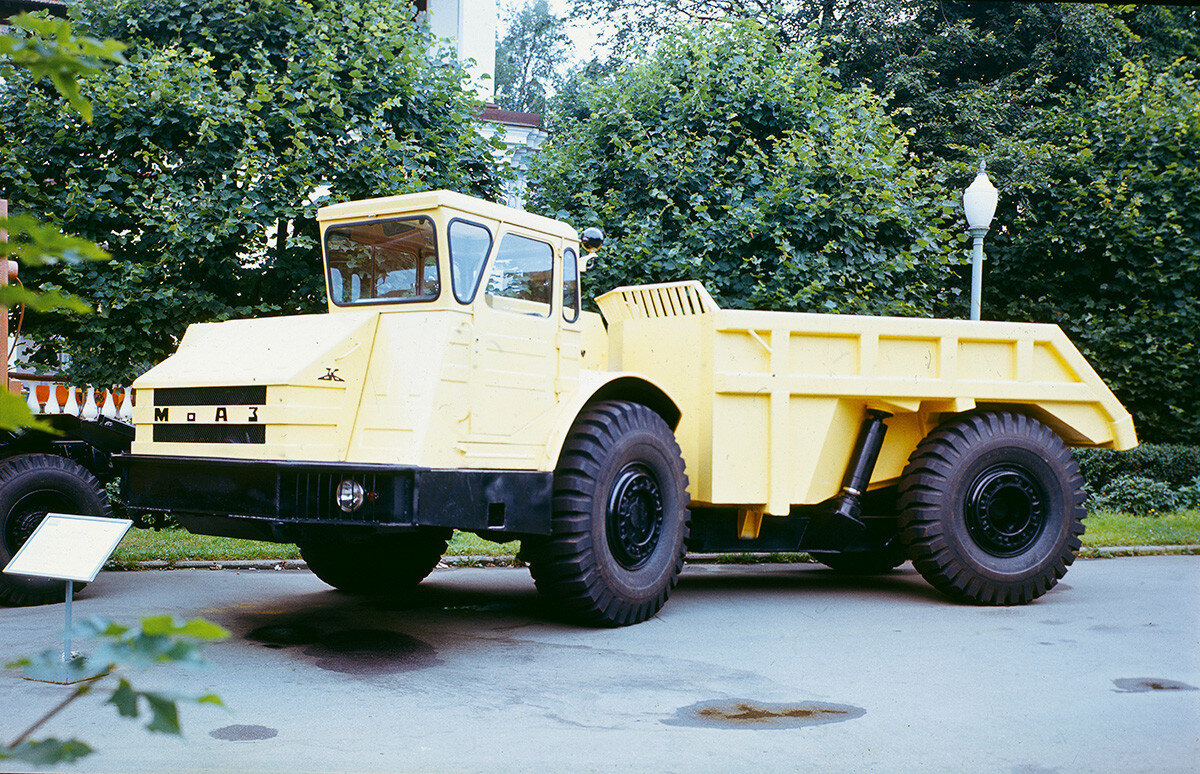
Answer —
(349, 495)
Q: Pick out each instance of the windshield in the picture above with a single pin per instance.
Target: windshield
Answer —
(383, 260)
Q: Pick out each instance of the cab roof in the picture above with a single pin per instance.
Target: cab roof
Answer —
(430, 200)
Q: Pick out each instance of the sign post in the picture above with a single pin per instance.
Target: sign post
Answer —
(72, 548)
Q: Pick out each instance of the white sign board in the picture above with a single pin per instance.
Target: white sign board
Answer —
(69, 547)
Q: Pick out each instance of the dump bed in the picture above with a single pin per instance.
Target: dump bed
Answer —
(772, 401)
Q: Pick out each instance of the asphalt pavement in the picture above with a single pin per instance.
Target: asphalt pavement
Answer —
(759, 667)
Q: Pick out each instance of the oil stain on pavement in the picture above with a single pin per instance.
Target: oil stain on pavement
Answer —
(244, 733)
(1147, 684)
(742, 713)
(361, 652)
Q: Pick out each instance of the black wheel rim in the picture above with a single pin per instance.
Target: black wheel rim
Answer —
(635, 516)
(1006, 510)
(27, 513)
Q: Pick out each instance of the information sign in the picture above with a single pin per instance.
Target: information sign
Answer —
(69, 547)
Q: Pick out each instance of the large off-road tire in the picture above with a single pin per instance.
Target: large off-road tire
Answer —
(874, 562)
(32, 485)
(991, 508)
(382, 564)
(620, 517)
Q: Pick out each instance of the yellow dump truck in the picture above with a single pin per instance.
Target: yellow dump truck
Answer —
(456, 383)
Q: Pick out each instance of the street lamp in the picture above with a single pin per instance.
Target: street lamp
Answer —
(979, 204)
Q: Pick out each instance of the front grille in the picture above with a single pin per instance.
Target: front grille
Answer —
(211, 396)
(312, 495)
(210, 433)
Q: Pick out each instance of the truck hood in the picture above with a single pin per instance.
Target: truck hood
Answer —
(313, 349)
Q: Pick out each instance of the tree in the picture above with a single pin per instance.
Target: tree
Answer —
(533, 46)
(959, 74)
(634, 23)
(218, 131)
(963, 75)
(725, 157)
(46, 49)
(1101, 234)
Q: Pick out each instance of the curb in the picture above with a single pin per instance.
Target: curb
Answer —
(509, 560)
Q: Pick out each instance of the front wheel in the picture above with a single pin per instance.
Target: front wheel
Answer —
(992, 508)
(32, 485)
(383, 564)
(620, 517)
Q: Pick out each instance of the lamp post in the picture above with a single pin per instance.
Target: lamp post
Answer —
(979, 205)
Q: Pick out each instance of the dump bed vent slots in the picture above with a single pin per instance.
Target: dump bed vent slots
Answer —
(670, 299)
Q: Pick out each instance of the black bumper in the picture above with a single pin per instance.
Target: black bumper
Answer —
(286, 501)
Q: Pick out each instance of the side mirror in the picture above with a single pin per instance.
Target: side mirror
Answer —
(592, 239)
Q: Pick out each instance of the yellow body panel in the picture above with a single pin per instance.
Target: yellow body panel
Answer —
(770, 402)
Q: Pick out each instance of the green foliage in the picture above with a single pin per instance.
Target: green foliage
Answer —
(534, 45)
(199, 169)
(630, 24)
(969, 73)
(1101, 234)
(1138, 495)
(723, 157)
(158, 640)
(1189, 496)
(1174, 464)
(52, 50)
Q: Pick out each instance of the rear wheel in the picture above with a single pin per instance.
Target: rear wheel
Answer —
(620, 517)
(992, 508)
(384, 564)
(31, 486)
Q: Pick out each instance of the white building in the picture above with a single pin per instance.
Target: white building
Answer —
(470, 25)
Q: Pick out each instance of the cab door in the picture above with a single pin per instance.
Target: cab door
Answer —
(515, 359)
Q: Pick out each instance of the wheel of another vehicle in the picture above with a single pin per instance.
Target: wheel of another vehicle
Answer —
(382, 564)
(620, 517)
(32, 485)
(874, 562)
(991, 508)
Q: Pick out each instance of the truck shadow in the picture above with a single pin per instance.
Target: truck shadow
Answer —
(475, 606)
(902, 584)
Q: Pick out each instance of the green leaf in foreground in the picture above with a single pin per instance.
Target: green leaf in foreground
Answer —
(52, 50)
(36, 244)
(47, 752)
(159, 639)
(15, 414)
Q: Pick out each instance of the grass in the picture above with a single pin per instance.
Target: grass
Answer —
(1103, 529)
(177, 545)
(1106, 528)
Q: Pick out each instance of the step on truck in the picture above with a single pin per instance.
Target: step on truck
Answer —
(456, 382)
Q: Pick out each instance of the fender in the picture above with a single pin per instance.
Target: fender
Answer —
(606, 385)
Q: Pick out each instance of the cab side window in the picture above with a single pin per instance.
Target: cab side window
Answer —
(570, 286)
(470, 244)
(522, 276)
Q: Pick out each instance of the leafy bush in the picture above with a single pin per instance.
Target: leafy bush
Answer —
(1174, 464)
(724, 157)
(198, 169)
(1101, 234)
(1138, 495)
(1189, 496)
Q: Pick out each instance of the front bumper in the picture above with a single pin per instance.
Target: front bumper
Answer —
(285, 501)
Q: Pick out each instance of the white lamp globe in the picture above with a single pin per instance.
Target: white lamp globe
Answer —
(979, 201)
